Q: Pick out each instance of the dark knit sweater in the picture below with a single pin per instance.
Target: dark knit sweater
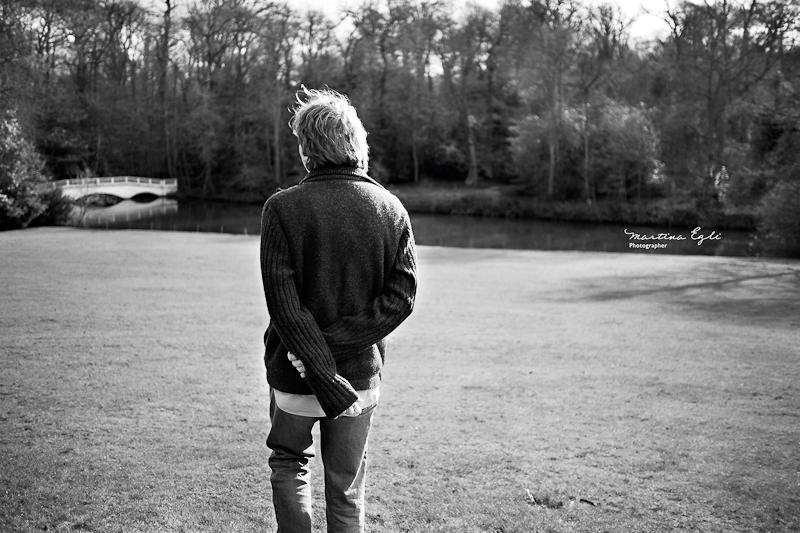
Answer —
(339, 270)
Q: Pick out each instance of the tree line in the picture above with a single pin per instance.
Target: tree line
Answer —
(552, 94)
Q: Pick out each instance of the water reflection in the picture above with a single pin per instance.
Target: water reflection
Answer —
(126, 212)
(432, 230)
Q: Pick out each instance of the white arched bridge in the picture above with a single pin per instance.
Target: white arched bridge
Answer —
(124, 187)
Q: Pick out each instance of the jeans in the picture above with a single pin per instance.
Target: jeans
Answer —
(344, 458)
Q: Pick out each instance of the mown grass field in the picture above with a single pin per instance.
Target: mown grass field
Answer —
(529, 392)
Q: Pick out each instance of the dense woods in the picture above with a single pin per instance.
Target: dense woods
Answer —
(552, 94)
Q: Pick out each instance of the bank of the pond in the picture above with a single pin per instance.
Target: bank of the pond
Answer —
(506, 201)
(569, 392)
(437, 229)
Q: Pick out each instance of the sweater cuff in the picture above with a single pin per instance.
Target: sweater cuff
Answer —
(334, 393)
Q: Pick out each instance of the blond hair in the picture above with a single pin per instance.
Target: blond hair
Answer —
(329, 130)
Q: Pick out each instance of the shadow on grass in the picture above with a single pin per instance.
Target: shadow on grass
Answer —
(716, 285)
(746, 291)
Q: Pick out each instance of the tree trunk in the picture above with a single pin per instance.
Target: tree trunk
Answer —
(276, 135)
(551, 171)
(555, 130)
(163, 75)
(415, 155)
(415, 126)
(472, 175)
(586, 169)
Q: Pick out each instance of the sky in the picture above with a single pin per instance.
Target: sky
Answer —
(646, 25)
(645, 15)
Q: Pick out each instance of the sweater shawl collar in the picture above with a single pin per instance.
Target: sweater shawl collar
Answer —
(338, 172)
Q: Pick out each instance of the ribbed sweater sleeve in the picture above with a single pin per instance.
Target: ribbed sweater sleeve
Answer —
(387, 311)
(296, 325)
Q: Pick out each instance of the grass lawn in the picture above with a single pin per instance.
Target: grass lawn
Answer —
(529, 391)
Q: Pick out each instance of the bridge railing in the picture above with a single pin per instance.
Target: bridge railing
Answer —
(115, 179)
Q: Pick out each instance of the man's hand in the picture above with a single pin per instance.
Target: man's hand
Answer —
(298, 365)
(353, 410)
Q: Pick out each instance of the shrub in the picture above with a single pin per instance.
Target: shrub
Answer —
(683, 151)
(58, 209)
(746, 186)
(531, 151)
(23, 183)
(446, 161)
(779, 227)
(623, 152)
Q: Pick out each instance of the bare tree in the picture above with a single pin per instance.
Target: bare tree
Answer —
(604, 43)
(163, 59)
(278, 36)
(419, 32)
(719, 52)
(315, 41)
(549, 34)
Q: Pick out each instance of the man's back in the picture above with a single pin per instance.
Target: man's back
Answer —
(343, 233)
(339, 271)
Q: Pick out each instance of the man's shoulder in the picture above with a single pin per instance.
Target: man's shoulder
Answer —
(303, 194)
(280, 194)
(281, 198)
(377, 190)
(396, 204)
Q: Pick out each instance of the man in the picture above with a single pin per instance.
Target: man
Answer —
(339, 270)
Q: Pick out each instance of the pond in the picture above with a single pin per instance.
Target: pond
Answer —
(437, 230)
